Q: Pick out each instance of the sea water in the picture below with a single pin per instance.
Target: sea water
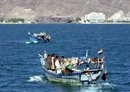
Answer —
(21, 71)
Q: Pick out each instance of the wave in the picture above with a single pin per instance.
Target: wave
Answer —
(37, 78)
(107, 84)
(119, 43)
(100, 87)
(124, 64)
(127, 83)
(118, 72)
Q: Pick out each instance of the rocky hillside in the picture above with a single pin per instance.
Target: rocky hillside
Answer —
(42, 9)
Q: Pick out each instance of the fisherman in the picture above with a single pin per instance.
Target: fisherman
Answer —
(49, 62)
(101, 62)
(58, 66)
(62, 61)
(69, 67)
(84, 65)
(75, 61)
(53, 62)
(45, 55)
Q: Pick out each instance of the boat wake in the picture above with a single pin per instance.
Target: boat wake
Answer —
(100, 87)
(24, 41)
(107, 85)
(37, 78)
(29, 42)
(21, 42)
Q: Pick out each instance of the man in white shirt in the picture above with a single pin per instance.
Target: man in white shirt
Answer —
(58, 66)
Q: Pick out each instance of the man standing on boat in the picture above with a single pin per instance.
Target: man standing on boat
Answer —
(45, 55)
(53, 56)
(58, 66)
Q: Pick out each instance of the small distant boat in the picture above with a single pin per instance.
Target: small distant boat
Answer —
(38, 37)
(77, 77)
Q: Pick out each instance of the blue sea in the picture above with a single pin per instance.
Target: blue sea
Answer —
(21, 71)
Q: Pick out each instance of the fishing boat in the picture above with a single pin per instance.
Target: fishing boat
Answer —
(38, 37)
(78, 76)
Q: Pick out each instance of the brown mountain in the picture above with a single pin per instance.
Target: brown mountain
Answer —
(60, 9)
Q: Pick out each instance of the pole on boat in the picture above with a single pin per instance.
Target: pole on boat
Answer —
(86, 53)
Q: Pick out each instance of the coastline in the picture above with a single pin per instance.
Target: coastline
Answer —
(59, 23)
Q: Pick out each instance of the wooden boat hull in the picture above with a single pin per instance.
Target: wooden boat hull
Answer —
(33, 39)
(70, 79)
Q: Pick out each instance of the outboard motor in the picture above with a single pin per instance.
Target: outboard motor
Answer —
(104, 76)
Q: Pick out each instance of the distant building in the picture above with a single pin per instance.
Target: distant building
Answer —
(124, 19)
(95, 17)
(83, 20)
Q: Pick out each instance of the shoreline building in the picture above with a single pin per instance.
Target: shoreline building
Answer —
(124, 19)
(93, 18)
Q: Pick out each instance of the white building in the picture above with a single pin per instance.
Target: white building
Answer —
(95, 17)
(83, 20)
(124, 19)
